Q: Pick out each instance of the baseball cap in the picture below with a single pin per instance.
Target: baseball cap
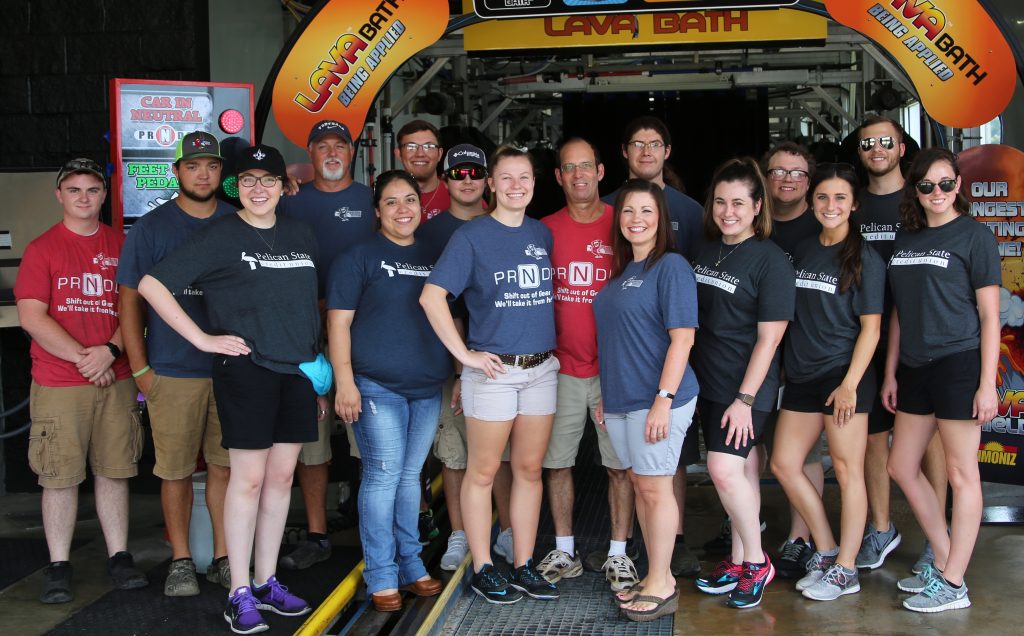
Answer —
(464, 153)
(197, 144)
(329, 127)
(81, 165)
(261, 157)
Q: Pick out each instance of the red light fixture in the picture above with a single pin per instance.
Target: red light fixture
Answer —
(231, 121)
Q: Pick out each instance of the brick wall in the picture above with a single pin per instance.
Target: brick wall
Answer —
(58, 56)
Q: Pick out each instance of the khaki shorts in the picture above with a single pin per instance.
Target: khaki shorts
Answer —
(319, 452)
(73, 423)
(450, 441)
(576, 398)
(183, 416)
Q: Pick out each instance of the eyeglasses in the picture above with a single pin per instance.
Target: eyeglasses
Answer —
(461, 172)
(267, 180)
(413, 146)
(586, 166)
(779, 174)
(869, 142)
(640, 145)
(926, 187)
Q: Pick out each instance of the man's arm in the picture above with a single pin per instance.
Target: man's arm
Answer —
(132, 310)
(47, 332)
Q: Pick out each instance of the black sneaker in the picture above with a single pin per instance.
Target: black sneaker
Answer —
(721, 544)
(306, 554)
(57, 583)
(428, 528)
(493, 588)
(793, 558)
(123, 572)
(529, 581)
(750, 589)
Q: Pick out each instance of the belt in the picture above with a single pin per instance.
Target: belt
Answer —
(524, 360)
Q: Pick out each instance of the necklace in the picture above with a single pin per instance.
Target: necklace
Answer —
(722, 258)
(426, 206)
(273, 239)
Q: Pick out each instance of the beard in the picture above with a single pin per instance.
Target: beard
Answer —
(332, 175)
(191, 194)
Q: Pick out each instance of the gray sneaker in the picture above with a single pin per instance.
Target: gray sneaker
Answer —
(219, 572)
(503, 545)
(458, 546)
(558, 565)
(620, 572)
(876, 546)
(917, 583)
(836, 582)
(927, 557)
(305, 554)
(181, 579)
(816, 568)
(938, 596)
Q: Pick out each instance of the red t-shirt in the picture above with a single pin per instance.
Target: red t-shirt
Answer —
(582, 260)
(75, 276)
(434, 202)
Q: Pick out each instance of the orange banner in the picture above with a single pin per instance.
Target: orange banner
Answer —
(345, 55)
(955, 55)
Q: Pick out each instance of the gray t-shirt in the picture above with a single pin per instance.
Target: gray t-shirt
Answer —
(752, 284)
(826, 325)
(934, 274)
(789, 234)
(878, 218)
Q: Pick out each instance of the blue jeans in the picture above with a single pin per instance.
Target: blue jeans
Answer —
(394, 435)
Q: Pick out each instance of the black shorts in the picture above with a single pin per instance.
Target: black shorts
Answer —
(714, 435)
(259, 407)
(690, 453)
(810, 397)
(945, 387)
(880, 420)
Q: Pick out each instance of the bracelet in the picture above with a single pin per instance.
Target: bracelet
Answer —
(141, 372)
(114, 350)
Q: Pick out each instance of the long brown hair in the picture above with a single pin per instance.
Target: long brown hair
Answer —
(912, 215)
(850, 250)
(622, 250)
(744, 170)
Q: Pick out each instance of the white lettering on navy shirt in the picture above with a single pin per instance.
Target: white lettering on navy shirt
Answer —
(816, 280)
(936, 258)
(278, 261)
(405, 269)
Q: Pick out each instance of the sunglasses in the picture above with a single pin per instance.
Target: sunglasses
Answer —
(869, 142)
(926, 187)
(461, 172)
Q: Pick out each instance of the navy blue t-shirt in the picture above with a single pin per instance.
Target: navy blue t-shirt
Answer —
(392, 341)
(634, 312)
(436, 233)
(151, 238)
(505, 276)
(687, 220)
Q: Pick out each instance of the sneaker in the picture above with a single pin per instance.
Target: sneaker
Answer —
(816, 568)
(57, 583)
(306, 554)
(876, 546)
(596, 560)
(529, 581)
(123, 572)
(750, 589)
(428, 529)
(219, 573)
(836, 582)
(242, 614)
(722, 579)
(276, 598)
(493, 587)
(917, 583)
(684, 562)
(722, 543)
(620, 572)
(458, 547)
(938, 596)
(927, 557)
(558, 565)
(181, 579)
(793, 558)
(503, 545)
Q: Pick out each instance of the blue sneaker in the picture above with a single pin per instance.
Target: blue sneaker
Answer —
(722, 579)
(274, 597)
(241, 613)
(493, 587)
(750, 589)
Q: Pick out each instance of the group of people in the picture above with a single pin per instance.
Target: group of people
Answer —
(795, 302)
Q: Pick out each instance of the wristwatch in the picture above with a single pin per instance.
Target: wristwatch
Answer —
(665, 394)
(746, 398)
(114, 350)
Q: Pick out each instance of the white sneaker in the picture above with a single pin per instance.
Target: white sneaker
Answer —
(620, 572)
(503, 545)
(458, 546)
(558, 565)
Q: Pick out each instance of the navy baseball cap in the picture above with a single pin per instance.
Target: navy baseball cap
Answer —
(329, 127)
(464, 153)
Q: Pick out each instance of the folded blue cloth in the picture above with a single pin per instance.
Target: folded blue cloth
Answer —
(319, 372)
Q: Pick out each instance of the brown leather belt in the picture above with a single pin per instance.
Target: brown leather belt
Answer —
(524, 360)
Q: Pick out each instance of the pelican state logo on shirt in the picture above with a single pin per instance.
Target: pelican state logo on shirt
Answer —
(278, 261)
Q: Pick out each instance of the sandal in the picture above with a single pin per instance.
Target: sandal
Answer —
(662, 607)
(628, 595)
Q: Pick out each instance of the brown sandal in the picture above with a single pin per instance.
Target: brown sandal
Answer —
(662, 607)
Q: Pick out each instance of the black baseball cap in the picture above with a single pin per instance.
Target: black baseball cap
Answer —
(261, 157)
(196, 145)
(81, 165)
(329, 127)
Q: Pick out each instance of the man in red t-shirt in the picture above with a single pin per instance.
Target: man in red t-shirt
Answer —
(82, 394)
(581, 259)
(419, 149)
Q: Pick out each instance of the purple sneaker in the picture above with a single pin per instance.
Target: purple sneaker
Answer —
(275, 597)
(242, 614)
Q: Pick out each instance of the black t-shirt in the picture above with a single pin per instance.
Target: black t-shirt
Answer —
(260, 285)
(752, 284)
(789, 234)
(827, 323)
(934, 274)
(878, 218)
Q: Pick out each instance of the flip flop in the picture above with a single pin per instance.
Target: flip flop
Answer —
(663, 607)
(632, 591)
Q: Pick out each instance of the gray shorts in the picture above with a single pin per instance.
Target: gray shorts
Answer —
(576, 398)
(518, 391)
(626, 431)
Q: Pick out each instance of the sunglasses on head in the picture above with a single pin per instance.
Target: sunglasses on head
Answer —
(459, 173)
(926, 187)
(869, 142)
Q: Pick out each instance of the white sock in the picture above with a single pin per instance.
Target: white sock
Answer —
(616, 548)
(566, 544)
(256, 585)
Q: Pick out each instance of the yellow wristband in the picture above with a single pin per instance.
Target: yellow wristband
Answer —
(141, 371)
